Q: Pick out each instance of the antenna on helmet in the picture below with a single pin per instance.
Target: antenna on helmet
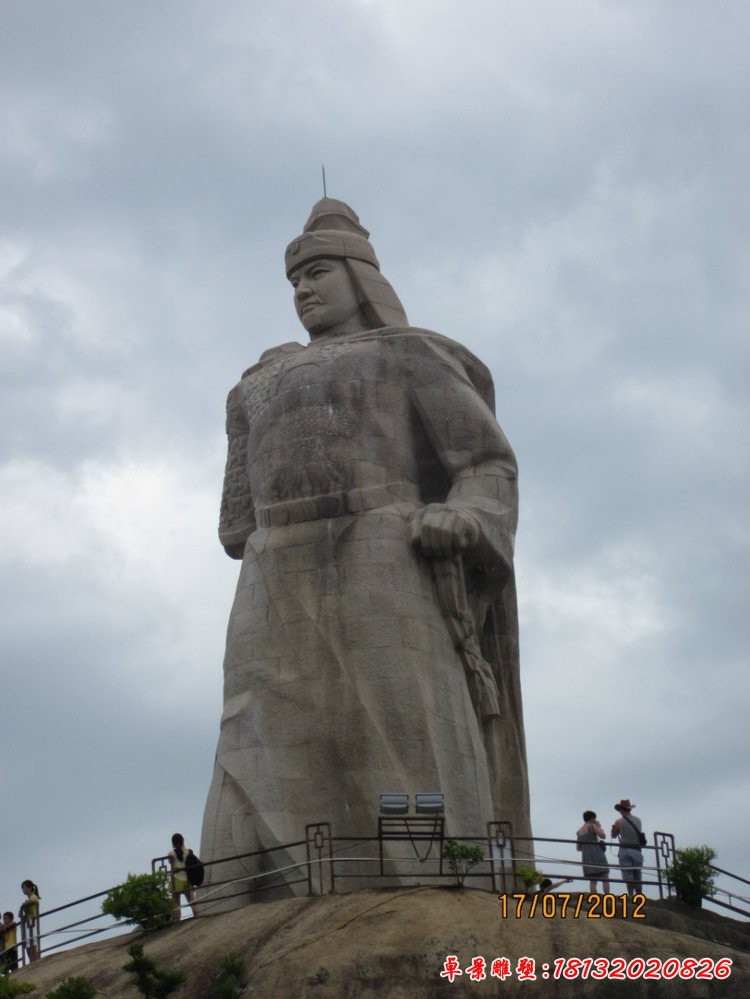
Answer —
(323, 168)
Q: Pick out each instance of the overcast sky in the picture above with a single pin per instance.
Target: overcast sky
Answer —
(561, 186)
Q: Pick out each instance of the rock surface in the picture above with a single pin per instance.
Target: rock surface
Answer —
(394, 943)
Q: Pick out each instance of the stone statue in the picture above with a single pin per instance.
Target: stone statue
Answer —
(373, 641)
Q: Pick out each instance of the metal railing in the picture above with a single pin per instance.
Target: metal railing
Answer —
(731, 892)
(41, 933)
(405, 851)
(657, 856)
(328, 862)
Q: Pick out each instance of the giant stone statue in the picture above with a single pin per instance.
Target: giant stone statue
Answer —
(373, 641)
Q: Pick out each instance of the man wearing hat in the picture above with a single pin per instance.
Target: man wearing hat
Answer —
(372, 646)
(628, 828)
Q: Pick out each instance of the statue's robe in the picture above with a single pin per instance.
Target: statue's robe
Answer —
(342, 677)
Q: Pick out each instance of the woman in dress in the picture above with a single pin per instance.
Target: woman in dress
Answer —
(180, 884)
(594, 853)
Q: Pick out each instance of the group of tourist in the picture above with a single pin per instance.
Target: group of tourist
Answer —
(589, 839)
(28, 917)
(28, 914)
(590, 843)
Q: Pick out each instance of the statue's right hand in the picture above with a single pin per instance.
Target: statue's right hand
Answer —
(440, 530)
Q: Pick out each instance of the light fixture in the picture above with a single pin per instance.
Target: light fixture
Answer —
(394, 804)
(430, 803)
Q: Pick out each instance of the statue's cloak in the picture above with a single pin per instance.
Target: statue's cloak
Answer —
(355, 665)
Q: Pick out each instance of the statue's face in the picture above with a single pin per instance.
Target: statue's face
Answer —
(325, 299)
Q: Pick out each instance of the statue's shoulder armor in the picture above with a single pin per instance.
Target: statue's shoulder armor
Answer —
(273, 354)
(477, 370)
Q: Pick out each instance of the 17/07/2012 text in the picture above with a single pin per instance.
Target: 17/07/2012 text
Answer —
(563, 905)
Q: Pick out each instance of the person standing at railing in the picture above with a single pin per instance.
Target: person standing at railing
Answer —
(628, 829)
(10, 939)
(180, 884)
(589, 843)
(29, 916)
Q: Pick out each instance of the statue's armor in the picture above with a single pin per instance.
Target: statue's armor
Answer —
(342, 676)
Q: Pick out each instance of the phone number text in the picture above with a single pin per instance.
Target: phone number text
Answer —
(621, 969)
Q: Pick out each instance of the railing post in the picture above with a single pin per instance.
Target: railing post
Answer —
(160, 864)
(500, 847)
(31, 939)
(318, 846)
(664, 853)
(24, 960)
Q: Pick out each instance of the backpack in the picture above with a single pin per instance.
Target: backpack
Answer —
(194, 869)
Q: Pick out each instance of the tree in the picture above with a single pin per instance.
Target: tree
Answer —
(230, 983)
(461, 858)
(143, 900)
(530, 877)
(692, 874)
(151, 981)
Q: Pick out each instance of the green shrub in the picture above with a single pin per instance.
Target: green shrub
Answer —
(74, 988)
(530, 877)
(143, 900)
(461, 858)
(230, 983)
(9, 987)
(151, 981)
(691, 874)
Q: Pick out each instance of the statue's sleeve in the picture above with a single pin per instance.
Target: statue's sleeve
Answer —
(453, 401)
(237, 519)
(472, 450)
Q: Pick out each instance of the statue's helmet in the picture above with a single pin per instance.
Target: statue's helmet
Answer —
(334, 230)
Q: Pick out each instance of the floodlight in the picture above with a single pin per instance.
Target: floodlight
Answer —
(394, 804)
(429, 803)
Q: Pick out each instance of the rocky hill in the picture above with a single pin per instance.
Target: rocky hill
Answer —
(395, 943)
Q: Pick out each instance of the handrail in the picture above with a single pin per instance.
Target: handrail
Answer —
(328, 858)
(736, 902)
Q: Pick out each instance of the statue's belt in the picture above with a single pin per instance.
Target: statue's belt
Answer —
(339, 504)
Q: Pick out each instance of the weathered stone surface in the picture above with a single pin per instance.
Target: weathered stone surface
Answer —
(392, 944)
(373, 643)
